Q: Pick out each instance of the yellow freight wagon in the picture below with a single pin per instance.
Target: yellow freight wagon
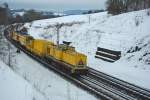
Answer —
(29, 43)
(51, 50)
(40, 47)
(15, 36)
(23, 39)
(58, 53)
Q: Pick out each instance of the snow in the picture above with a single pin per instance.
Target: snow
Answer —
(121, 33)
(14, 87)
(49, 84)
(59, 14)
(19, 13)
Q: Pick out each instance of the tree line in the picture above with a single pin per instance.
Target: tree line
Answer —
(6, 17)
(4, 14)
(32, 15)
(122, 6)
(93, 11)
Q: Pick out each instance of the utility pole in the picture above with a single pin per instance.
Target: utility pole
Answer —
(9, 59)
(57, 29)
(89, 17)
(58, 26)
(68, 92)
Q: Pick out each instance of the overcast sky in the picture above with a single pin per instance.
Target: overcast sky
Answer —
(56, 4)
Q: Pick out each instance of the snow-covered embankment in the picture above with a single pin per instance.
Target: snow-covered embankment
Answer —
(125, 33)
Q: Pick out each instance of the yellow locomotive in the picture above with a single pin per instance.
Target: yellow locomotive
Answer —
(65, 55)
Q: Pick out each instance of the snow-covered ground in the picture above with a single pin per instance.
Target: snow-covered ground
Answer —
(127, 32)
(14, 87)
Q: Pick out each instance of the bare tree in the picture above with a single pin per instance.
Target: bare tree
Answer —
(122, 6)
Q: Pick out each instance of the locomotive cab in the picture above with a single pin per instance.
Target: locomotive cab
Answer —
(66, 46)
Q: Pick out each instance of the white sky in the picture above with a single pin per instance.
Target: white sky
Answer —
(56, 4)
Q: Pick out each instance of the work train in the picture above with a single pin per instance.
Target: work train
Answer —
(68, 59)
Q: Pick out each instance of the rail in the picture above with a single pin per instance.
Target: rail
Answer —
(130, 89)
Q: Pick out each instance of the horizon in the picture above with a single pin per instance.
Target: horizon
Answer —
(50, 5)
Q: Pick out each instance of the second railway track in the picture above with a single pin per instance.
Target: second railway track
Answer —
(129, 91)
(134, 91)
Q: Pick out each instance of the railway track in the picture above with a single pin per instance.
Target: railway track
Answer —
(100, 84)
(134, 91)
(105, 89)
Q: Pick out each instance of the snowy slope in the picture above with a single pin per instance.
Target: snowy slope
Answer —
(122, 33)
(14, 87)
